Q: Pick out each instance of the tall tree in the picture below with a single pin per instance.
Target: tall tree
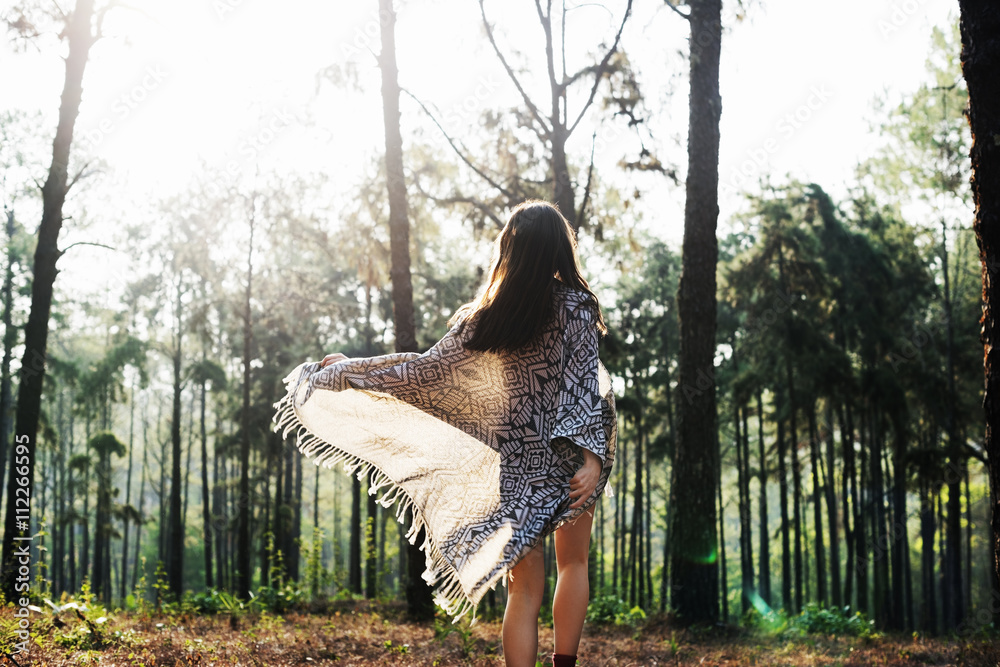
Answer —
(9, 339)
(555, 126)
(175, 528)
(696, 466)
(104, 445)
(419, 599)
(244, 507)
(980, 62)
(80, 35)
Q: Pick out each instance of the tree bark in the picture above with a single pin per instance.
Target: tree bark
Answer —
(694, 540)
(980, 24)
(80, 36)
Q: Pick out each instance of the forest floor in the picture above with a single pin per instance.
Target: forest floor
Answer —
(359, 634)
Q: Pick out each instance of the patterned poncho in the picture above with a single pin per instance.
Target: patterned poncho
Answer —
(478, 448)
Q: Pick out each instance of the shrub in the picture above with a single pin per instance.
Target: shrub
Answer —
(612, 610)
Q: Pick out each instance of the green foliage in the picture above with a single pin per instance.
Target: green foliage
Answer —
(317, 576)
(281, 594)
(279, 599)
(78, 624)
(216, 601)
(161, 585)
(136, 600)
(443, 628)
(612, 610)
(397, 649)
(9, 627)
(833, 621)
(813, 620)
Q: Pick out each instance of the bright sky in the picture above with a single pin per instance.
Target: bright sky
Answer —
(230, 83)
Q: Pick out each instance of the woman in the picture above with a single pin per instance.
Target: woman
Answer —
(501, 433)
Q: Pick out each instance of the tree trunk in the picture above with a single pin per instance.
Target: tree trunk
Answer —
(371, 554)
(206, 512)
(354, 549)
(694, 539)
(765, 537)
(175, 532)
(793, 439)
(419, 599)
(142, 500)
(786, 544)
(817, 499)
(742, 482)
(294, 551)
(29, 392)
(185, 496)
(831, 510)
(281, 458)
(635, 544)
(980, 24)
(898, 534)
(927, 622)
(243, 504)
(722, 553)
(880, 534)
(128, 491)
(954, 605)
(9, 340)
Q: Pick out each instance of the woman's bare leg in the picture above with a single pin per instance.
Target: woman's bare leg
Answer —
(520, 619)
(569, 605)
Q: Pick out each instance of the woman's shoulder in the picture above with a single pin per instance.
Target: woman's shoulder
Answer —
(571, 299)
(568, 293)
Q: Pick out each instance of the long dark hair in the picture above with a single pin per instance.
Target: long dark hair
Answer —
(536, 245)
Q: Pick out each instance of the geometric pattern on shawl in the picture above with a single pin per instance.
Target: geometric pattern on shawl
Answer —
(477, 448)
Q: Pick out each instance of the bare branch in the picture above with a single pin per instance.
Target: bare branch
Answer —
(510, 73)
(459, 199)
(676, 10)
(567, 82)
(457, 150)
(601, 69)
(562, 40)
(99, 245)
(80, 174)
(546, 21)
(590, 176)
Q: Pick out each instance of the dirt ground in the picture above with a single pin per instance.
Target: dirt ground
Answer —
(359, 634)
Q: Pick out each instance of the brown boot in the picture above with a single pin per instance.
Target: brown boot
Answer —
(560, 660)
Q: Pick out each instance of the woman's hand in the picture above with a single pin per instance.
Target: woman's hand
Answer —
(584, 481)
(332, 359)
